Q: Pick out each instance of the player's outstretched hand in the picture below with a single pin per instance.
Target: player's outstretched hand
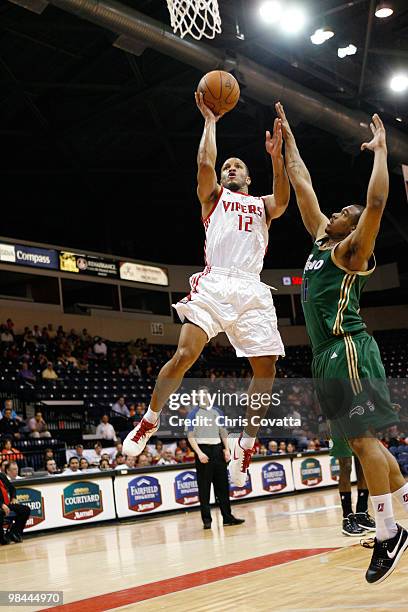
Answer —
(273, 144)
(203, 108)
(280, 111)
(378, 141)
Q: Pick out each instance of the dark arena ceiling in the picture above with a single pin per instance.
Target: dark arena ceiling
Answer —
(99, 145)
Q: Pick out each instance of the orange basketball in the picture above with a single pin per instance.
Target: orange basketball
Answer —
(221, 91)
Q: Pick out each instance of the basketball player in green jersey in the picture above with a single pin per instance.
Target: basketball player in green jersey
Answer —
(347, 366)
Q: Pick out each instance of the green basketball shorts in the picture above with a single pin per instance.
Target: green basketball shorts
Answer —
(351, 387)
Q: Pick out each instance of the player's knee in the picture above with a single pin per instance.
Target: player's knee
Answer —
(264, 367)
(359, 445)
(184, 358)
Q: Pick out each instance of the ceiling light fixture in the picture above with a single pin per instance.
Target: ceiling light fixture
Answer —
(321, 35)
(293, 20)
(271, 11)
(399, 82)
(344, 51)
(383, 10)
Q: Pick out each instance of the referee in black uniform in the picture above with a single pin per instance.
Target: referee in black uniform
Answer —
(209, 442)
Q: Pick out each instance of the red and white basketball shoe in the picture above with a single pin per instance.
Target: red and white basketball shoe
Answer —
(137, 439)
(240, 460)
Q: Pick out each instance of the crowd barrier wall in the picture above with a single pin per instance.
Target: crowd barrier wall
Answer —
(65, 501)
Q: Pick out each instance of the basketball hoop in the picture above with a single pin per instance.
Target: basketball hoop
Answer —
(195, 17)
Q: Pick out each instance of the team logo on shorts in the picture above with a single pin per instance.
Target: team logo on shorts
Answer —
(358, 410)
(380, 508)
(405, 497)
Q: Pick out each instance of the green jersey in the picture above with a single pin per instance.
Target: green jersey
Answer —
(331, 296)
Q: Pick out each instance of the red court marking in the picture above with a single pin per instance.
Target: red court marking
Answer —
(101, 603)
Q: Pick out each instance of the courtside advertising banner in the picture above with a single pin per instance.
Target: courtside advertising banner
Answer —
(64, 503)
(316, 471)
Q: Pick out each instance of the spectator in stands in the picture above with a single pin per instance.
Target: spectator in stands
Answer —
(105, 430)
(291, 448)
(166, 458)
(178, 456)
(130, 462)
(262, 450)
(272, 448)
(11, 471)
(134, 369)
(79, 451)
(142, 461)
(3, 465)
(49, 373)
(149, 456)
(38, 427)
(73, 466)
(9, 404)
(104, 465)
(48, 454)
(282, 447)
(8, 426)
(120, 461)
(157, 450)
(51, 467)
(6, 337)
(96, 456)
(85, 337)
(26, 374)
(311, 447)
(189, 456)
(8, 503)
(83, 464)
(100, 349)
(120, 407)
(10, 326)
(37, 333)
(52, 334)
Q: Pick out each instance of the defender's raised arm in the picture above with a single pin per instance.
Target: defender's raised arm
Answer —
(313, 218)
(359, 246)
(207, 188)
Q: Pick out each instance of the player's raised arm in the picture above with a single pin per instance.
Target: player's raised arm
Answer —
(207, 189)
(277, 203)
(313, 218)
(359, 246)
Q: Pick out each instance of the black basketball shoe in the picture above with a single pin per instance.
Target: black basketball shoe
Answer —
(365, 521)
(350, 527)
(386, 555)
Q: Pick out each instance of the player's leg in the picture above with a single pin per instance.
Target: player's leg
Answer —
(191, 343)
(361, 514)
(264, 371)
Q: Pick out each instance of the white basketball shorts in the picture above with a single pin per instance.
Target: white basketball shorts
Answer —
(224, 299)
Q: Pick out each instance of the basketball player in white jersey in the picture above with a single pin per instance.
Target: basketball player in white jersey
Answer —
(228, 295)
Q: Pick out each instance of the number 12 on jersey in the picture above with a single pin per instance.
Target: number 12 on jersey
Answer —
(244, 223)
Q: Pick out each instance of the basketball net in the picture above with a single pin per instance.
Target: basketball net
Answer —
(195, 17)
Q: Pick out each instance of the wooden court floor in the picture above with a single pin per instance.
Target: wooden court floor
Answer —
(289, 556)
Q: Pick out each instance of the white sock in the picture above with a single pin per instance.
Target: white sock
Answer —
(402, 495)
(151, 416)
(246, 441)
(386, 527)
